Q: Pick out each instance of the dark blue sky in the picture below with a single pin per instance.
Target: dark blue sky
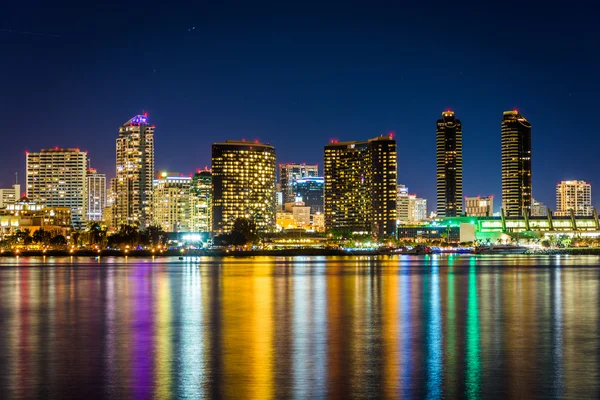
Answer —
(297, 75)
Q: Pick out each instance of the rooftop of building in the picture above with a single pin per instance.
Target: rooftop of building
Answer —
(318, 179)
(335, 142)
(172, 175)
(242, 142)
(137, 120)
(59, 150)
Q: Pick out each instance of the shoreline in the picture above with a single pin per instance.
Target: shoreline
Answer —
(254, 253)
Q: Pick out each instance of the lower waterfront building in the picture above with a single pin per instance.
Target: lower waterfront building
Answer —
(10, 196)
(573, 197)
(480, 206)
(32, 215)
(402, 212)
(538, 209)
(201, 202)
(95, 195)
(425, 233)
(417, 208)
(171, 195)
(318, 222)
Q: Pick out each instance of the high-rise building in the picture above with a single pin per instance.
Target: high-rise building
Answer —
(10, 196)
(516, 164)
(449, 165)
(538, 209)
(311, 191)
(479, 206)
(170, 205)
(402, 213)
(108, 216)
(360, 186)
(417, 208)
(95, 195)
(135, 173)
(56, 178)
(243, 184)
(201, 202)
(289, 173)
(573, 196)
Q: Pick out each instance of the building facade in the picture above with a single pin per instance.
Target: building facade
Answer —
(479, 206)
(243, 184)
(538, 209)
(573, 196)
(56, 178)
(32, 215)
(516, 164)
(171, 199)
(95, 195)
(402, 213)
(201, 202)
(417, 208)
(311, 191)
(449, 167)
(360, 186)
(135, 173)
(289, 173)
(10, 196)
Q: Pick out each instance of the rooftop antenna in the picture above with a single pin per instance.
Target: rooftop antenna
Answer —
(16, 178)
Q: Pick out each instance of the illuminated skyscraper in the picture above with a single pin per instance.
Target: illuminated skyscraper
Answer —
(449, 165)
(135, 172)
(56, 178)
(243, 184)
(201, 202)
(170, 201)
(95, 195)
(516, 164)
(289, 173)
(573, 196)
(360, 186)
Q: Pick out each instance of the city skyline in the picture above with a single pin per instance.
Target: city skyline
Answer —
(147, 119)
(348, 78)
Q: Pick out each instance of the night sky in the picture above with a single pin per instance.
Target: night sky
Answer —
(295, 74)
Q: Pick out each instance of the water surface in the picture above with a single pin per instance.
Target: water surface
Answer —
(303, 327)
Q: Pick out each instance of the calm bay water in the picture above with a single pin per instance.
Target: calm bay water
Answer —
(303, 327)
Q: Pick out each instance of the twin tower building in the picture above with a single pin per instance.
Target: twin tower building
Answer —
(516, 165)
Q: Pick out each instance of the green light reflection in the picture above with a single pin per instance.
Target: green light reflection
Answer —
(473, 370)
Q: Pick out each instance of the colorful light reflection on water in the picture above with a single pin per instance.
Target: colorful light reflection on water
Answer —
(355, 327)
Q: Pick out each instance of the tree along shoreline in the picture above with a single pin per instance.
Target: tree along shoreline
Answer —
(187, 253)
